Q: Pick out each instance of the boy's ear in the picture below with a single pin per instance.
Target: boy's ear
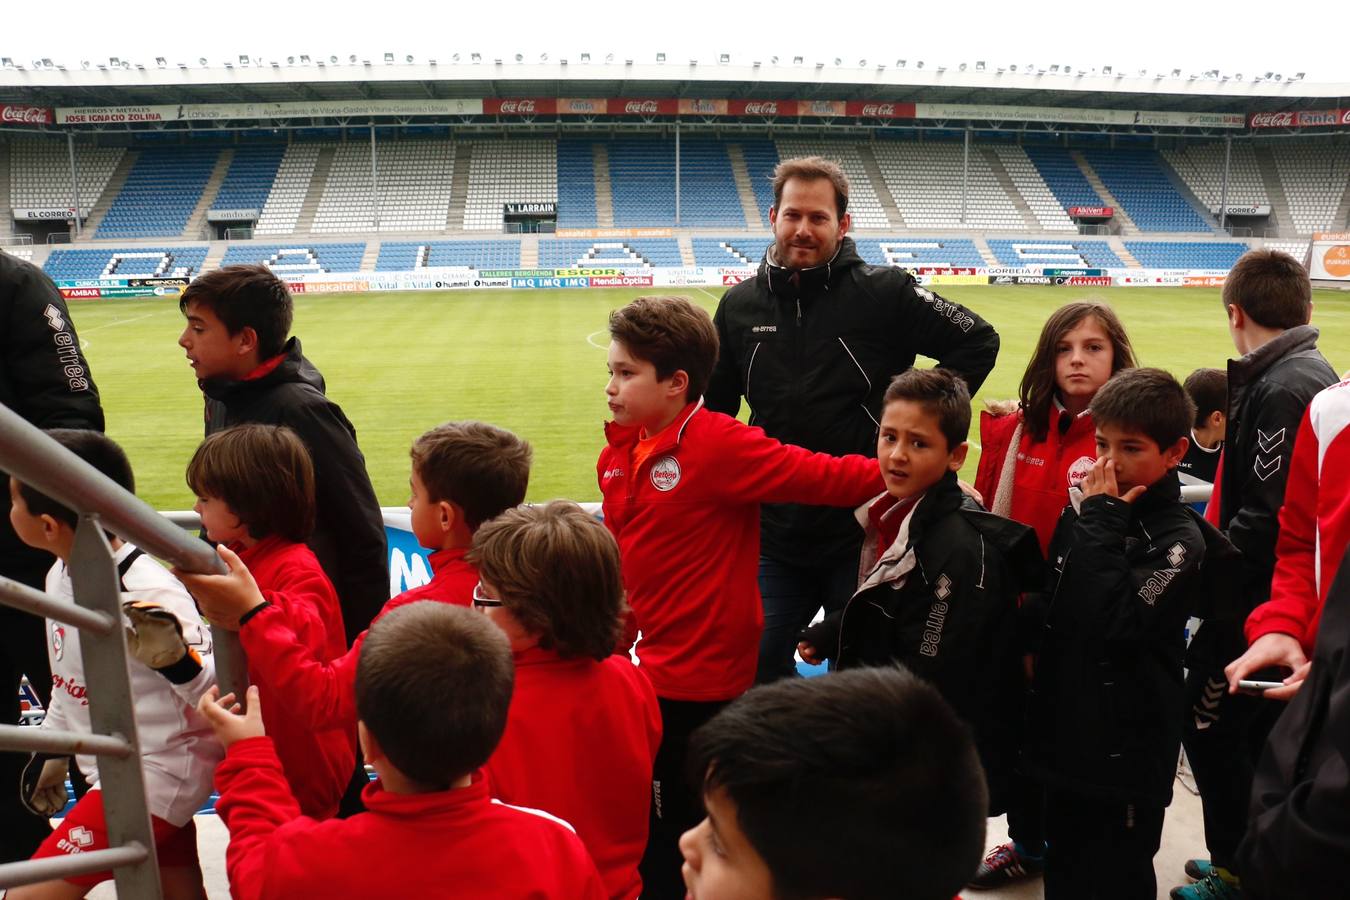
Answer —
(248, 339)
(1173, 454)
(1217, 419)
(370, 748)
(958, 457)
(449, 515)
(1236, 317)
(679, 382)
(51, 528)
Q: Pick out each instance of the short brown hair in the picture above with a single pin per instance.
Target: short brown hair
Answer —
(556, 569)
(480, 468)
(246, 297)
(671, 333)
(1038, 389)
(1148, 401)
(812, 168)
(942, 394)
(1271, 288)
(95, 448)
(1208, 390)
(263, 473)
(433, 686)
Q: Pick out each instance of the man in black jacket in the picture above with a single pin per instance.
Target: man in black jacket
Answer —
(238, 319)
(45, 379)
(1268, 298)
(811, 343)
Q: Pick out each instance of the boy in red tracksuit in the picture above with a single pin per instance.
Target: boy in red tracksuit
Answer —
(433, 687)
(255, 493)
(584, 724)
(463, 473)
(682, 488)
(1314, 533)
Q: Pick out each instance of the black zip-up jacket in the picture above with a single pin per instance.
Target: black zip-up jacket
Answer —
(1298, 833)
(1108, 695)
(813, 356)
(348, 534)
(946, 611)
(44, 378)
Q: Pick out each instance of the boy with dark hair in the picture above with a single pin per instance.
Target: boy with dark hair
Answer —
(238, 319)
(939, 577)
(886, 773)
(1208, 390)
(593, 710)
(1268, 298)
(433, 687)
(483, 471)
(682, 488)
(170, 670)
(1107, 704)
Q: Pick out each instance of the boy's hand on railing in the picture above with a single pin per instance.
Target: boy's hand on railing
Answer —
(42, 785)
(224, 716)
(223, 599)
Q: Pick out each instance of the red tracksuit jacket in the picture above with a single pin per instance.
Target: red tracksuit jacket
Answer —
(1314, 522)
(687, 523)
(1045, 469)
(580, 742)
(317, 757)
(323, 693)
(456, 843)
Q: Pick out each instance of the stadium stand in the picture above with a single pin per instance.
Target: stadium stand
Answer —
(298, 257)
(708, 197)
(1061, 174)
(281, 210)
(160, 193)
(1297, 249)
(761, 156)
(507, 171)
(414, 186)
(642, 179)
(576, 184)
(249, 179)
(863, 204)
(1186, 254)
(1138, 181)
(730, 251)
(40, 173)
(1201, 167)
(1314, 179)
(925, 180)
(1042, 252)
(1047, 209)
(918, 251)
(406, 256)
(125, 262)
(639, 253)
(23, 253)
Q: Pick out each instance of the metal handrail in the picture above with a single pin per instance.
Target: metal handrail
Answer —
(35, 870)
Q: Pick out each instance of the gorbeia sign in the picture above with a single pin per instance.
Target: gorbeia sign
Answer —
(11, 114)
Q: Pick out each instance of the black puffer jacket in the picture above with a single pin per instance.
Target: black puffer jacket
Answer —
(1108, 699)
(1298, 834)
(813, 358)
(43, 377)
(942, 601)
(348, 535)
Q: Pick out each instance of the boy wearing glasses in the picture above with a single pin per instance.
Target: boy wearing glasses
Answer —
(463, 473)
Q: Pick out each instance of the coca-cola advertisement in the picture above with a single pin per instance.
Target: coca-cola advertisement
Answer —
(529, 106)
(1284, 119)
(874, 109)
(631, 106)
(11, 114)
(1305, 118)
(766, 108)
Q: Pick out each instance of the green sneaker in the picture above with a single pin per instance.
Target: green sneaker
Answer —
(1212, 887)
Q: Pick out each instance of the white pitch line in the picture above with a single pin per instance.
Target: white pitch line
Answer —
(593, 343)
(710, 294)
(118, 322)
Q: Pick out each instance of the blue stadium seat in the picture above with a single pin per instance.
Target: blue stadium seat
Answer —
(1186, 254)
(125, 262)
(1141, 185)
(911, 252)
(735, 251)
(161, 191)
(1051, 252)
(249, 178)
(298, 257)
(405, 256)
(576, 184)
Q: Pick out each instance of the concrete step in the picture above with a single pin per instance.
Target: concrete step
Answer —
(1189, 196)
(1126, 256)
(322, 166)
(1121, 217)
(110, 192)
(1005, 180)
(990, 259)
(459, 186)
(196, 223)
(369, 258)
(529, 251)
(214, 254)
(888, 204)
(687, 250)
(744, 188)
(604, 196)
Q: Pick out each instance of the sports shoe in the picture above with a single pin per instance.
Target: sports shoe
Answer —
(1198, 869)
(1212, 887)
(1004, 865)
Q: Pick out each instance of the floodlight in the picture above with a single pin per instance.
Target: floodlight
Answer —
(563, 61)
(609, 57)
(1299, 76)
(900, 63)
(660, 57)
(1176, 73)
(941, 69)
(228, 64)
(1013, 67)
(140, 67)
(1238, 76)
(862, 63)
(543, 57)
(1270, 75)
(1106, 70)
(408, 59)
(304, 60)
(454, 57)
(161, 61)
(724, 58)
(838, 61)
(919, 65)
(585, 57)
(497, 61)
(7, 63)
(1279, 77)
(797, 60)
(389, 59)
(520, 57)
(475, 57)
(319, 63)
(115, 62)
(773, 60)
(84, 63)
(351, 60)
(819, 66)
(692, 63)
(1054, 70)
(290, 61)
(979, 65)
(963, 67)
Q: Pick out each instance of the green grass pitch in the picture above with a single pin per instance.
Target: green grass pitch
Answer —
(534, 362)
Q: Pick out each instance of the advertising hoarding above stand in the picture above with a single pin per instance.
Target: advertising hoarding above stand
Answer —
(1307, 118)
(1092, 212)
(51, 213)
(530, 209)
(14, 114)
(1251, 209)
(233, 215)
